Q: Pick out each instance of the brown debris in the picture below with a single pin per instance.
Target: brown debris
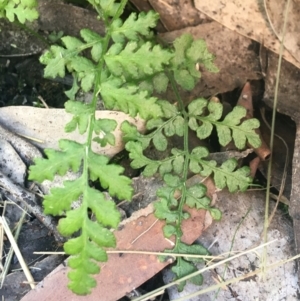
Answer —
(245, 100)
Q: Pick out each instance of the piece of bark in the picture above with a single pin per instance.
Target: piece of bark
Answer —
(174, 14)
(289, 87)
(177, 14)
(294, 208)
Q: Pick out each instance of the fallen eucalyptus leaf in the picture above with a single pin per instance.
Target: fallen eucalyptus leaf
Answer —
(249, 19)
(45, 127)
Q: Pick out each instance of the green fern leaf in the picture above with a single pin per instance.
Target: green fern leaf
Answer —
(58, 162)
(162, 211)
(165, 167)
(109, 176)
(108, 7)
(134, 26)
(81, 112)
(167, 193)
(135, 150)
(197, 154)
(178, 164)
(184, 79)
(192, 250)
(215, 213)
(179, 125)
(198, 52)
(204, 130)
(188, 53)
(229, 176)
(154, 123)
(197, 106)
(160, 82)
(129, 99)
(215, 110)
(230, 128)
(55, 60)
(90, 36)
(72, 43)
(104, 210)
(60, 199)
(168, 109)
(169, 230)
(104, 128)
(23, 10)
(160, 142)
(81, 282)
(181, 269)
(248, 127)
(196, 197)
(73, 221)
(130, 133)
(131, 60)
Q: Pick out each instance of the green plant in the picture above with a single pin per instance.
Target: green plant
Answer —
(125, 67)
(23, 10)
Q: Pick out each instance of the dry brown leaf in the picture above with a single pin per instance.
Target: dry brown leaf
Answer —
(123, 272)
(275, 11)
(47, 126)
(248, 18)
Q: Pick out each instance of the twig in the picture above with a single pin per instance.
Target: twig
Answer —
(43, 101)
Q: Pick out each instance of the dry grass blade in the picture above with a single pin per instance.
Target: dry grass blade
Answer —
(210, 267)
(17, 252)
(11, 251)
(213, 258)
(287, 159)
(266, 223)
(235, 280)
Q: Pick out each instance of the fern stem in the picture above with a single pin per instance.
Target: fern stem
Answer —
(175, 89)
(186, 160)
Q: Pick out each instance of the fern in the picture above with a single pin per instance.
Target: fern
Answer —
(125, 67)
(22, 10)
